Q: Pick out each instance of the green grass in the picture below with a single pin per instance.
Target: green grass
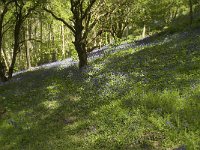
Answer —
(140, 99)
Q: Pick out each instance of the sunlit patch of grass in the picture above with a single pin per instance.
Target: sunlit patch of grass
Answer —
(51, 104)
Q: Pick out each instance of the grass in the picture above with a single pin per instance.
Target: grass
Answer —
(143, 99)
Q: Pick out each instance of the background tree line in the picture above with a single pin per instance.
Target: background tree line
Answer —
(34, 32)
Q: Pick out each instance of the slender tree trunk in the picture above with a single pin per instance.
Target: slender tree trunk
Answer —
(191, 11)
(37, 48)
(1, 40)
(120, 30)
(63, 41)
(41, 32)
(106, 34)
(54, 52)
(4, 55)
(16, 48)
(95, 39)
(127, 31)
(110, 38)
(27, 46)
(100, 41)
(144, 32)
(49, 26)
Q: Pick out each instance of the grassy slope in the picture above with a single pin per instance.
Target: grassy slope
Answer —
(134, 99)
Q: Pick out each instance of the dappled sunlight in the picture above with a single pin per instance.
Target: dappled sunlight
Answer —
(74, 98)
(51, 104)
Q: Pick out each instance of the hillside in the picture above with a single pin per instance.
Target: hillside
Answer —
(139, 96)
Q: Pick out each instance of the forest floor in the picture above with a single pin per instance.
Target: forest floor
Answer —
(143, 95)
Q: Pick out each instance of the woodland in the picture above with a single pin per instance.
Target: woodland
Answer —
(100, 74)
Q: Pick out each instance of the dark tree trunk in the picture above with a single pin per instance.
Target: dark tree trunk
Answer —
(2, 72)
(119, 34)
(82, 59)
(80, 42)
(120, 30)
(16, 48)
(191, 11)
(11, 69)
(82, 54)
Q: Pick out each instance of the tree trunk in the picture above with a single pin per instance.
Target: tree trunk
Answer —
(127, 31)
(106, 38)
(144, 32)
(4, 57)
(80, 42)
(11, 69)
(54, 50)
(27, 46)
(3, 71)
(100, 41)
(82, 59)
(120, 30)
(2, 63)
(63, 41)
(95, 40)
(82, 54)
(49, 27)
(191, 11)
(41, 32)
(37, 48)
(16, 48)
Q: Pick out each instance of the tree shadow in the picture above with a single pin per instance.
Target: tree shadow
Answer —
(170, 65)
(44, 107)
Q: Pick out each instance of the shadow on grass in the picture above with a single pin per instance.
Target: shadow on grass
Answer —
(171, 65)
(48, 109)
(63, 108)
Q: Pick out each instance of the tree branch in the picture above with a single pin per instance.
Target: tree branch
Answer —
(30, 40)
(29, 11)
(87, 10)
(60, 19)
(4, 31)
(92, 25)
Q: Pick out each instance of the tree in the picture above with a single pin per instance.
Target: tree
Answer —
(82, 22)
(3, 12)
(21, 10)
(120, 14)
(191, 11)
(191, 4)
